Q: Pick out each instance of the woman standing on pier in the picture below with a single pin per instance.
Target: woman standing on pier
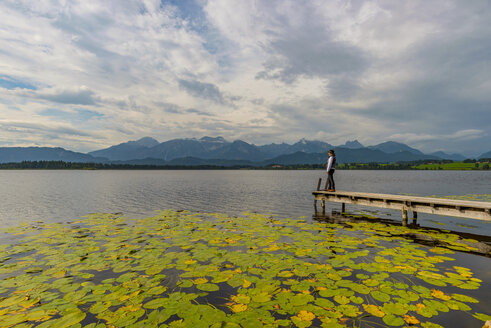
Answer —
(331, 167)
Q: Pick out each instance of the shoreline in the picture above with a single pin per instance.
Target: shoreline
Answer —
(402, 166)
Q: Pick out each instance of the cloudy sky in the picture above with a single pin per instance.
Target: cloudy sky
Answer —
(88, 74)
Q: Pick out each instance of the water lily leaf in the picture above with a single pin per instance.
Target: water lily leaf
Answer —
(469, 285)
(301, 299)
(425, 311)
(238, 307)
(482, 316)
(157, 290)
(99, 307)
(456, 305)
(370, 282)
(185, 283)
(341, 299)
(208, 287)
(306, 315)
(362, 289)
(439, 294)
(261, 297)
(156, 303)
(411, 319)
(13, 319)
(324, 303)
(373, 310)
(439, 306)
(362, 276)
(349, 310)
(430, 325)
(38, 315)
(246, 283)
(70, 319)
(356, 299)
(392, 320)
(285, 274)
(303, 319)
(59, 274)
(380, 296)
(329, 292)
(331, 323)
(12, 300)
(241, 299)
(199, 281)
(464, 298)
(395, 308)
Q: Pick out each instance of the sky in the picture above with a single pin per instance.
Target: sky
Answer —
(84, 75)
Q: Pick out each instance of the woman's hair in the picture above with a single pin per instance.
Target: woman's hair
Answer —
(331, 151)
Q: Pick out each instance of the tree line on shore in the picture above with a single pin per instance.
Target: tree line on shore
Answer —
(470, 164)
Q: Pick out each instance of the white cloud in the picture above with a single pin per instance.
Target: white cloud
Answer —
(257, 70)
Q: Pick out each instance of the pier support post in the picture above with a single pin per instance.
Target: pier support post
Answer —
(343, 208)
(404, 217)
(415, 217)
(323, 205)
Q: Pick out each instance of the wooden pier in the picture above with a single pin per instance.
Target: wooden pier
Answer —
(439, 206)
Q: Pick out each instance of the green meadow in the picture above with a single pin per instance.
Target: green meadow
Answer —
(453, 166)
(184, 269)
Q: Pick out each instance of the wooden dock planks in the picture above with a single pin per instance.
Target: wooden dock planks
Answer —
(439, 206)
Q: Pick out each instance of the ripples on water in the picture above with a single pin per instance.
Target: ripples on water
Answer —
(60, 195)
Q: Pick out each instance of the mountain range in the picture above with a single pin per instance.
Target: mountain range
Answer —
(218, 151)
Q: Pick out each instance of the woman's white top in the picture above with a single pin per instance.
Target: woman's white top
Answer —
(330, 163)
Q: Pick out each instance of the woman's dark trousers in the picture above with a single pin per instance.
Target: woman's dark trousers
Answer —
(330, 179)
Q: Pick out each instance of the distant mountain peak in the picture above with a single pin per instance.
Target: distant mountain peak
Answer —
(391, 147)
(213, 139)
(355, 144)
(146, 142)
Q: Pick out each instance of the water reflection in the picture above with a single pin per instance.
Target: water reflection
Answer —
(432, 237)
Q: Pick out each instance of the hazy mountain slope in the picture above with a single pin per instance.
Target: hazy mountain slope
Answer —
(128, 150)
(394, 147)
(238, 150)
(443, 155)
(19, 154)
(485, 155)
(273, 150)
(309, 146)
(176, 148)
(345, 155)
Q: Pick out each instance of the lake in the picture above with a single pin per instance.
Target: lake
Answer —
(65, 196)
(55, 195)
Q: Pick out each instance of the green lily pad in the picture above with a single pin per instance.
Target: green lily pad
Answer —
(392, 320)
(380, 296)
(208, 287)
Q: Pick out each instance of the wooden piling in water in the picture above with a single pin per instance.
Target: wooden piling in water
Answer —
(404, 217)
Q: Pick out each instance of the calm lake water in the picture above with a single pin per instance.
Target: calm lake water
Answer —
(62, 196)
(30, 195)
